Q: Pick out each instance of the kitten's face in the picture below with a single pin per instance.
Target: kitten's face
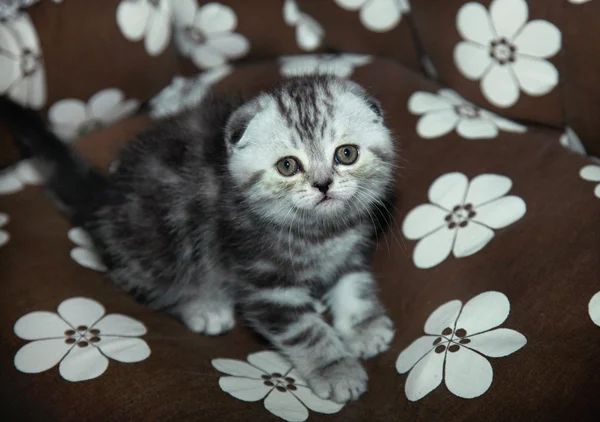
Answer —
(316, 152)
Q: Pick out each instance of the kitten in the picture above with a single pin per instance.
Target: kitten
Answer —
(269, 205)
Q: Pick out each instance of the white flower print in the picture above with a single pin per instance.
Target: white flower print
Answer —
(341, 65)
(270, 376)
(594, 309)
(453, 349)
(447, 111)
(184, 93)
(505, 51)
(146, 19)
(309, 32)
(15, 178)
(72, 119)
(578, 1)
(4, 236)
(571, 141)
(22, 74)
(80, 338)
(85, 254)
(205, 34)
(378, 15)
(591, 173)
(461, 216)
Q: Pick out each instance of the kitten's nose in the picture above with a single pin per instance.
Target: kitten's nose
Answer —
(323, 186)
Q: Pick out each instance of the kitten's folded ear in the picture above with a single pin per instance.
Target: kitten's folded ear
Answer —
(371, 101)
(239, 120)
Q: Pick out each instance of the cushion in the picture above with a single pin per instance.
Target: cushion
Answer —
(490, 272)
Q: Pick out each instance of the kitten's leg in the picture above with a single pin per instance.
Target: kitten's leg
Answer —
(209, 310)
(288, 319)
(358, 315)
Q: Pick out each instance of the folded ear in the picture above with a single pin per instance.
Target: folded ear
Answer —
(239, 120)
(371, 101)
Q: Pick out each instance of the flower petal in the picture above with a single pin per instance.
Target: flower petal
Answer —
(413, 353)
(126, 108)
(487, 187)
(500, 87)
(422, 102)
(19, 91)
(158, 33)
(381, 15)
(570, 140)
(473, 23)
(497, 343)
(452, 96)
(443, 317)
(468, 374)
(36, 89)
(132, 19)
(471, 239)
(80, 237)
(215, 17)
(539, 38)
(422, 220)
(9, 66)
(120, 325)
(594, 308)
(299, 65)
(67, 112)
(535, 76)
(4, 218)
(9, 183)
(184, 12)
(476, 129)
(29, 172)
(82, 364)
(205, 57)
(437, 123)
(270, 362)
(102, 102)
(502, 212)
(433, 249)
(309, 33)
(88, 258)
(230, 45)
(40, 325)
(590, 172)
(41, 355)
(504, 124)
(449, 190)
(245, 389)
(425, 377)
(484, 312)
(291, 13)
(508, 16)
(215, 75)
(350, 4)
(237, 368)
(9, 44)
(124, 349)
(25, 32)
(316, 404)
(286, 406)
(471, 59)
(597, 191)
(80, 311)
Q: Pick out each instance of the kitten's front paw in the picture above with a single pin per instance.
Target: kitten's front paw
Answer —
(371, 337)
(342, 381)
(211, 322)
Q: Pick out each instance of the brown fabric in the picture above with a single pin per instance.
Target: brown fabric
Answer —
(546, 264)
(582, 70)
(439, 35)
(100, 58)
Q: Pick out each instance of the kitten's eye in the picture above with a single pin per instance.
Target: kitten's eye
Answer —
(288, 166)
(346, 154)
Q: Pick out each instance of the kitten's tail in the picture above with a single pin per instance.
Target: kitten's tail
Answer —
(74, 185)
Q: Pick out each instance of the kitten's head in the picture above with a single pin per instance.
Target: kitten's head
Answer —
(314, 149)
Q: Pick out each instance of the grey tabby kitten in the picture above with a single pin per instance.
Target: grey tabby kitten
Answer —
(269, 205)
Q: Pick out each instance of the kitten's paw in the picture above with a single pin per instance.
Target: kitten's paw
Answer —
(342, 381)
(211, 322)
(371, 337)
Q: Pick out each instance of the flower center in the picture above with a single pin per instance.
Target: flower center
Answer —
(194, 34)
(466, 110)
(155, 3)
(28, 62)
(88, 127)
(278, 381)
(460, 216)
(82, 336)
(452, 345)
(502, 51)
